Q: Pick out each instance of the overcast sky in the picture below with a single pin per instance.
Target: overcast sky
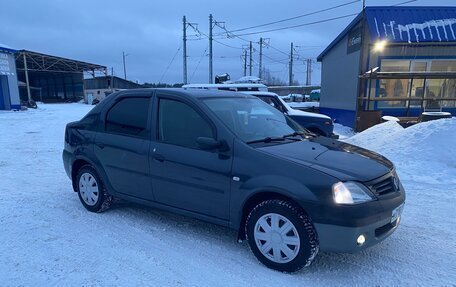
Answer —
(150, 32)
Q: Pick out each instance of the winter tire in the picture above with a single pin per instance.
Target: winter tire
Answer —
(281, 235)
(91, 190)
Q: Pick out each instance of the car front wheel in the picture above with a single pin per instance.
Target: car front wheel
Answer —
(281, 235)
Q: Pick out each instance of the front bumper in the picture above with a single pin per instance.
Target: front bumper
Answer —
(337, 238)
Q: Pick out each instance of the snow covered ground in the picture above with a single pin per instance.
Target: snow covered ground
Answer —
(48, 238)
(342, 131)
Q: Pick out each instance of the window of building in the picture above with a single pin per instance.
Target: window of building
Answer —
(129, 117)
(441, 88)
(393, 88)
(417, 88)
(180, 124)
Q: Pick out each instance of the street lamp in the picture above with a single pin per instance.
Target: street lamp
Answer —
(380, 45)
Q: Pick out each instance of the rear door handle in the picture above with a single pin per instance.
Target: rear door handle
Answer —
(100, 145)
(158, 157)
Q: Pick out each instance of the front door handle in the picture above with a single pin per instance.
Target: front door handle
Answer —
(158, 157)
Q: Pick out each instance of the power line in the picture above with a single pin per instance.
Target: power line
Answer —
(276, 61)
(226, 45)
(230, 35)
(405, 2)
(221, 43)
(295, 17)
(170, 63)
(199, 62)
(269, 45)
(300, 25)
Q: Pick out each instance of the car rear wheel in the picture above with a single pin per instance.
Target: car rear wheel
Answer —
(281, 235)
(91, 190)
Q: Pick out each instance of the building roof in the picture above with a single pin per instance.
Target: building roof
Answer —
(48, 63)
(405, 24)
(104, 82)
(5, 48)
(412, 24)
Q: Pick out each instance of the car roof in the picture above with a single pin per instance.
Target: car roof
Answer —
(194, 93)
(230, 85)
(260, 93)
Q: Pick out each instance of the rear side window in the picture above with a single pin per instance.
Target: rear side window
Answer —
(180, 124)
(129, 117)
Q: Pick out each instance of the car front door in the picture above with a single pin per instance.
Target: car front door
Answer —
(184, 175)
(123, 144)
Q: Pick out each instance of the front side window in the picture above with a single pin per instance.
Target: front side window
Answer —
(251, 119)
(180, 124)
(129, 117)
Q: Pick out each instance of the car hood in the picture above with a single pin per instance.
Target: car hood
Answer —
(293, 112)
(338, 159)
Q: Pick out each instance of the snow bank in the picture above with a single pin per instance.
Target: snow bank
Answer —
(376, 135)
(343, 132)
(425, 147)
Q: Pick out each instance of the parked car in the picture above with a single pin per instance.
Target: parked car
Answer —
(233, 160)
(317, 123)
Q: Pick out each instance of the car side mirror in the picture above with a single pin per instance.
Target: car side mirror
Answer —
(208, 143)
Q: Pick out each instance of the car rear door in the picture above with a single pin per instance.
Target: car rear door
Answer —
(183, 175)
(122, 146)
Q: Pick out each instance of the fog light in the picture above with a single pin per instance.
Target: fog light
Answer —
(361, 239)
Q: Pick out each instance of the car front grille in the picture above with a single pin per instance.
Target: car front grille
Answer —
(385, 185)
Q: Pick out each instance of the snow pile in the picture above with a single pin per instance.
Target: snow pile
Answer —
(342, 131)
(376, 134)
(425, 147)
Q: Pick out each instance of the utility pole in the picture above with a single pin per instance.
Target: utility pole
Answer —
(210, 48)
(250, 61)
(185, 25)
(245, 62)
(184, 48)
(112, 79)
(125, 69)
(29, 95)
(260, 69)
(290, 75)
(309, 72)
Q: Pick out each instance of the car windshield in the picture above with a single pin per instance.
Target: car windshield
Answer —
(251, 119)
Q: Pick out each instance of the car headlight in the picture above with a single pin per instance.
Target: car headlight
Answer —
(350, 192)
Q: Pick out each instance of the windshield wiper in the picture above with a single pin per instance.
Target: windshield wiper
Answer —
(304, 133)
(266, 140)
(291, 136)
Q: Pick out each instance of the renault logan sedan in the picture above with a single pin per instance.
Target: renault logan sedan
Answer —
(233, 160)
